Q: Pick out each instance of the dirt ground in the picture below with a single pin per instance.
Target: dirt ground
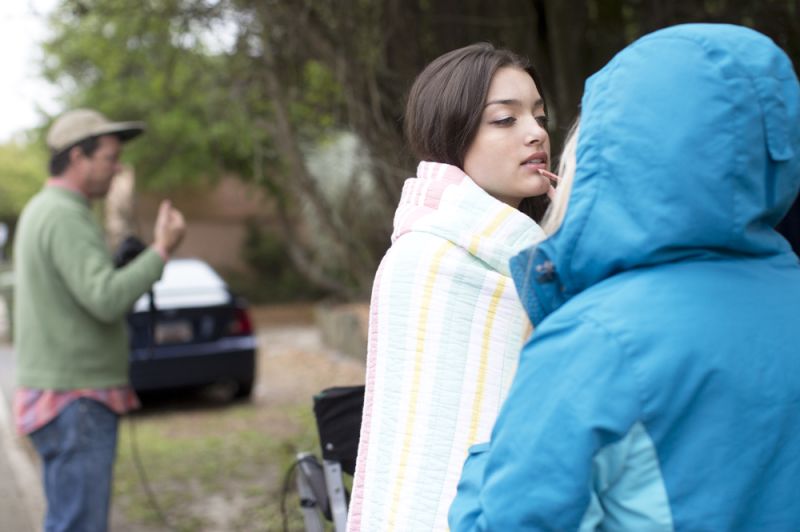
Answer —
(218, 466)
(293, 362)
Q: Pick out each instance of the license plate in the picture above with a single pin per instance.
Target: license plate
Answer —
(173, 332)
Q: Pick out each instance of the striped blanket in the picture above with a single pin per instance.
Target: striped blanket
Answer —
(446, 328)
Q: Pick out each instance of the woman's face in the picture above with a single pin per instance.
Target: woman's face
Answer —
(511, 144)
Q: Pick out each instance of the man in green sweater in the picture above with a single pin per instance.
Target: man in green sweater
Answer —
(70, 306)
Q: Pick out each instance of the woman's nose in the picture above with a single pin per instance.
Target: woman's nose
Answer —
(534, 132)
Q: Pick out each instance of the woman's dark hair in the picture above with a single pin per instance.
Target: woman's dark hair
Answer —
(446, 103)
(59, 161)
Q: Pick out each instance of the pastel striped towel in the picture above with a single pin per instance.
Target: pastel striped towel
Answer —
(446, 329)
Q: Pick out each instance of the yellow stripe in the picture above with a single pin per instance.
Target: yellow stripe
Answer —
(484, 363)
(427, 296)
(491, 228)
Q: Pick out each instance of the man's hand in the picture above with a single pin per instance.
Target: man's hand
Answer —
(169, 230)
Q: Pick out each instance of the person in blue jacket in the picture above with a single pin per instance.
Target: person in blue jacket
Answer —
(661, 389)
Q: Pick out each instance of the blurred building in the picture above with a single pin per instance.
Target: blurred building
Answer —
(217, 216)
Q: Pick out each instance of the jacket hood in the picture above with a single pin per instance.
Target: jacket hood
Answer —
(688, 149)
(442, 200)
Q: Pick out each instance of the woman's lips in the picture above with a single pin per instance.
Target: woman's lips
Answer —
(537, 161)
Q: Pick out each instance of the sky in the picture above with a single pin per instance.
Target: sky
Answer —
(22, 90)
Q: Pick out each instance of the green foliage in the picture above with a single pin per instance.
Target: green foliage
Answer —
(313, 109)
(229, 457)
(274, 278)
(145, 61)
(204, 103)
(209, 102)
(252, 86)
(23, 170)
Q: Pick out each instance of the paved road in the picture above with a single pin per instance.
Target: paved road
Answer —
(21, 500)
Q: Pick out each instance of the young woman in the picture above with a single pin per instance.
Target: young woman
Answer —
(446, 325)
(660, 389)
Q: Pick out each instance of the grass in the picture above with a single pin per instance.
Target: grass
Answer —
(218, 466)
(217, 469)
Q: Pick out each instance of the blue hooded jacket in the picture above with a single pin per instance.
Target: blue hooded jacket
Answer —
(661, 388)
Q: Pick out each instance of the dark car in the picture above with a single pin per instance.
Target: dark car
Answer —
(196, 333)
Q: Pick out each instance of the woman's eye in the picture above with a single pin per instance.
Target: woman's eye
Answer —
(504, 121)
(542, 121)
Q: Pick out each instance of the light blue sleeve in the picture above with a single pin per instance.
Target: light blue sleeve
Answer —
(626, 477)
(574, 394)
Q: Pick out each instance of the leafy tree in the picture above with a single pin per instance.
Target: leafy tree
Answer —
(143, 60)
(23, 169)
(254, 85)
(212, 107)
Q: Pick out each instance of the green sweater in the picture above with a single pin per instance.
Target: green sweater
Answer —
(70, 302)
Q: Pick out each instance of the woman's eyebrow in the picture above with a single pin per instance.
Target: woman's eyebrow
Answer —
(514, 102)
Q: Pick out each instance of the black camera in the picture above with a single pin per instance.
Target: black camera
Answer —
(128, 250)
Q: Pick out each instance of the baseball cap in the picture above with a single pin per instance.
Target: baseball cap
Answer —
(79, 124)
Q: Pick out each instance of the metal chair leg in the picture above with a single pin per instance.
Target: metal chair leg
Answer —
(336, 494)
(308, 472)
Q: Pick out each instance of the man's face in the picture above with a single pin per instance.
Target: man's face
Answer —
(98, 169)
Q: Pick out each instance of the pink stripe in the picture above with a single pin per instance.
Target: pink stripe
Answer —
(440, 172)
(419, 187)
(422, 195)
(357, 499)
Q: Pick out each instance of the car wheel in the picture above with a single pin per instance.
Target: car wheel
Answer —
(244, 389)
